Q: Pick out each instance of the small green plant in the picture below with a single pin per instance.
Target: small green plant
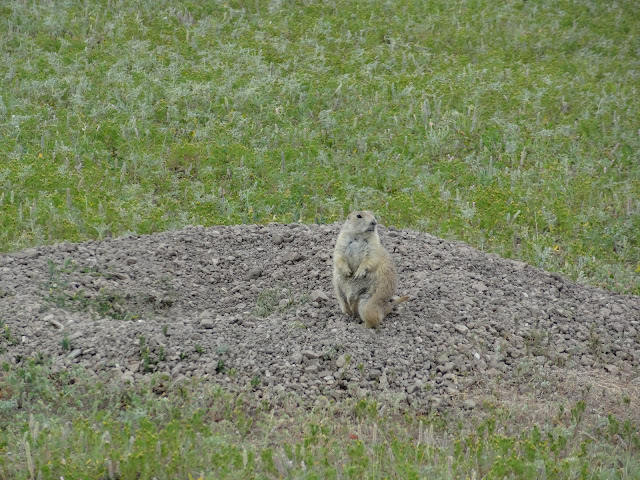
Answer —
(103, 304)
(165, 329)
(255, 381)
(266, 303)
(6, 332)
(65, 343)
(199, 349)
(535, 341)
(594, 342)
(222, 349)
(149, 359)
(220, 368)
(8, 338)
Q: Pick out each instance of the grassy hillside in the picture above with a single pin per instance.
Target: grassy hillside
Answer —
(510, 125)
(65, 425)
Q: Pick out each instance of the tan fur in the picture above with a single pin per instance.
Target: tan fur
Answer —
(364, 276)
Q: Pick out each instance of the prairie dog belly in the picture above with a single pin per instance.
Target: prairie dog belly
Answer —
(355, 252)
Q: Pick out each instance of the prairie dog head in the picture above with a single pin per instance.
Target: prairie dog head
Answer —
(361, 222)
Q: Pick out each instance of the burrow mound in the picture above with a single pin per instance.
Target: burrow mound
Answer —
(252, 307)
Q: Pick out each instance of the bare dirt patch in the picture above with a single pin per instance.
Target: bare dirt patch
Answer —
(253, 306)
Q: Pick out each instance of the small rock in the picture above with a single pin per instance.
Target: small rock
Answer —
(207, 322)
(625, 366)
(362, 392)
(481, 287)
(253, 274)
(296, 357)
(612, 369)
(310, 354)
(384, 381)
(446, 368)
(292, 257)
(318, 296)
(341, 361)
(49, 318)
(450, 377)
(556, 276)
(131, 261)
(586, 360)
(74, 353)
(461, 328)
(618, 327)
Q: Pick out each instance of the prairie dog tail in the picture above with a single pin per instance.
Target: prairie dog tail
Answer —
(393, 303)
(372, 312)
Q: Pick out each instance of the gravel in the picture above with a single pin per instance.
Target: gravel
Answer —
(252, 307)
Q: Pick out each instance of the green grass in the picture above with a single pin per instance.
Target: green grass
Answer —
(68, 425)
(510, 125)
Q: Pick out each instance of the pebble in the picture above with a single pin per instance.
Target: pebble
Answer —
(461, 328)
(207, 322)
(318, 296)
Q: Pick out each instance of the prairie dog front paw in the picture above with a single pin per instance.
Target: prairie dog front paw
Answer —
(360, 273)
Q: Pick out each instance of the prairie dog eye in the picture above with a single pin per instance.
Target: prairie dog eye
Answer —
(359, 216)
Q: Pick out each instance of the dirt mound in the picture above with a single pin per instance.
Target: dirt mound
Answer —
(252, 307)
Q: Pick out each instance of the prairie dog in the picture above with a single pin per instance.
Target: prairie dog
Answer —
(364, 276)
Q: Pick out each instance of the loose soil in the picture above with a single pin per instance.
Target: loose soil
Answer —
(251, 307)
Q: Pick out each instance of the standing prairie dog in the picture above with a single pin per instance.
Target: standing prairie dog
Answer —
(364, 276)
